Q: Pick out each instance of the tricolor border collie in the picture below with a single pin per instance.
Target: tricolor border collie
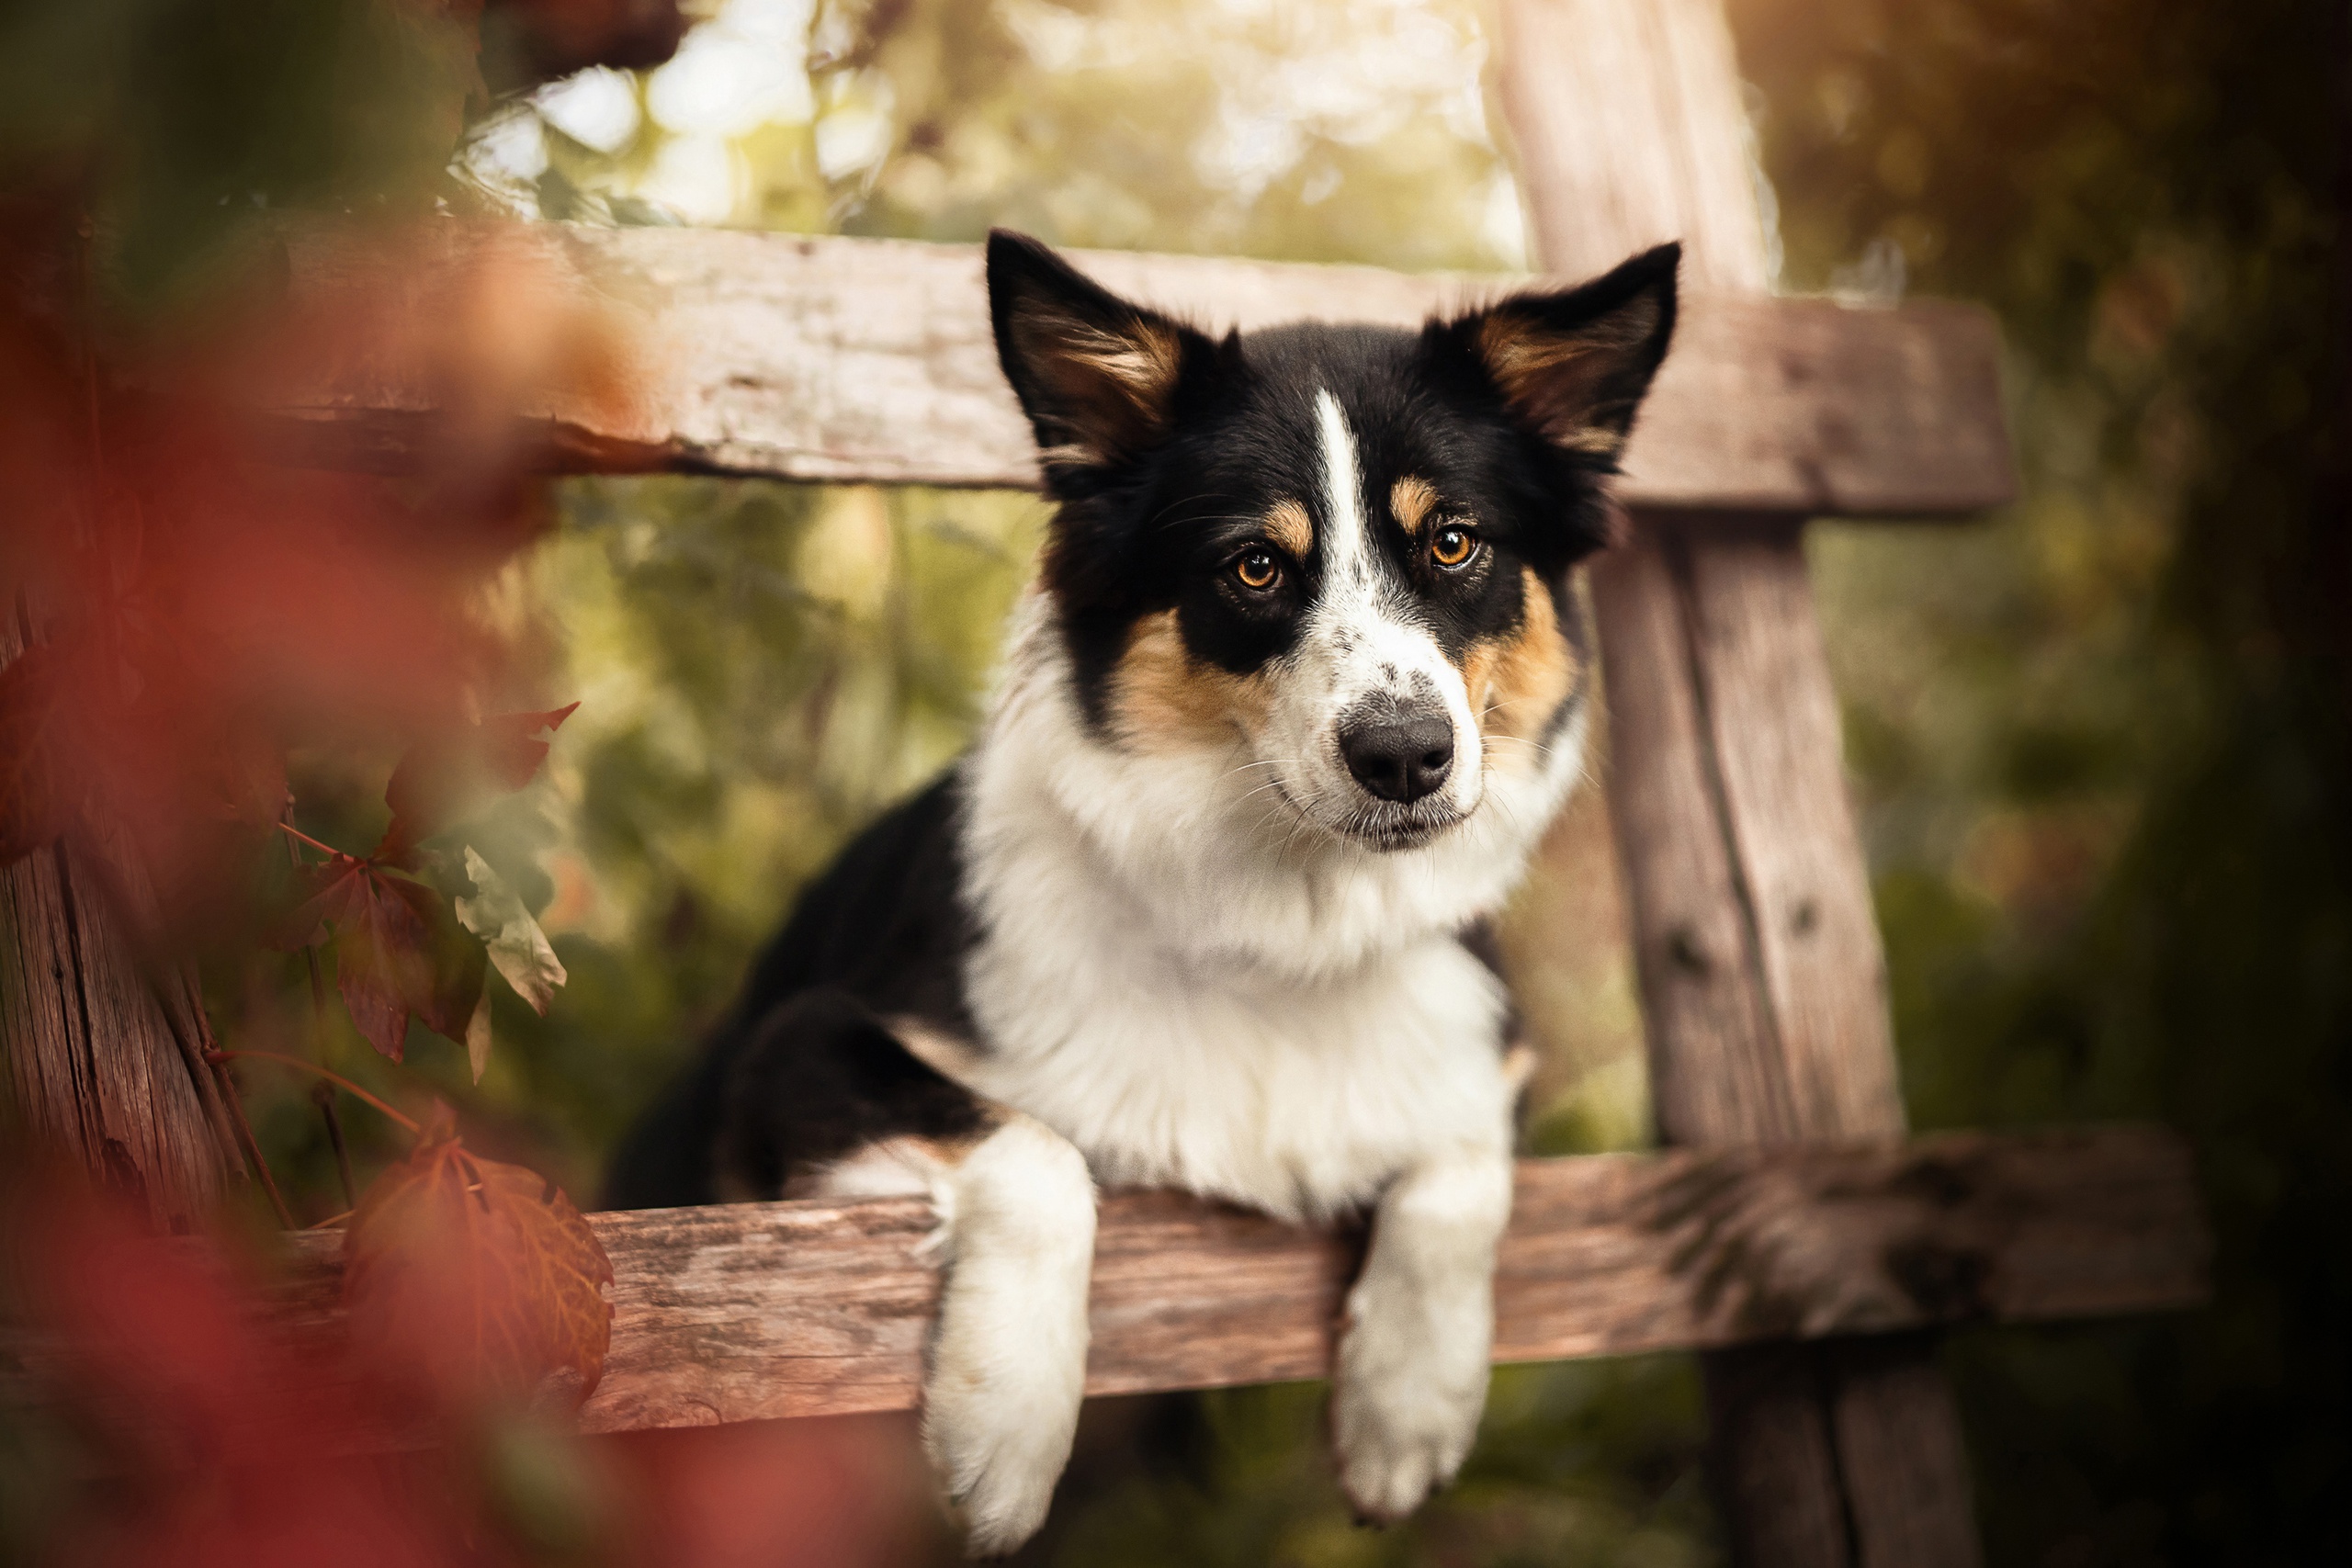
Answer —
(1302, 680)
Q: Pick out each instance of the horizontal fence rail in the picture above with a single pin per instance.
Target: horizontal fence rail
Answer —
(870, 360)
(750, 1310)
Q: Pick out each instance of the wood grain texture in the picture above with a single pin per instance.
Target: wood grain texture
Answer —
(1772, 1458)
(746, 1312)
(1898, 1439)
(1648, 149)
(95, 1075)
(1703, 1000)
(1773, 736)
(1762, 974)
(871, 360)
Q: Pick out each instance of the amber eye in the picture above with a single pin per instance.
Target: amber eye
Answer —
(1257, 569)
(1454, 547)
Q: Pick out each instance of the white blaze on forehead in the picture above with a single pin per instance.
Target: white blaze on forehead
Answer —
(1362, 637)
(1344, 541)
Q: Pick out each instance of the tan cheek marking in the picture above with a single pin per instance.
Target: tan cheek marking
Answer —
(1289, 526)
(1519, 681)
(1163, 700)
(1412, 501)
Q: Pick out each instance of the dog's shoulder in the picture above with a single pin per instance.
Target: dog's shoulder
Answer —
(887, 922)
(811, 1063)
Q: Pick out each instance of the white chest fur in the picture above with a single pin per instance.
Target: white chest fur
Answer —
(1195, 993)
(1300, 1099)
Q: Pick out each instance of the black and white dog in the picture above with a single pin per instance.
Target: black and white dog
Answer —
(1302, 680)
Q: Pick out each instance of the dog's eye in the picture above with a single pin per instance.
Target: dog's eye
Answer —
(1257, 569)
(1454, 547)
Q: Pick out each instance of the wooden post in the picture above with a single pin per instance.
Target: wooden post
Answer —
(103, 1067)
(1763, 980)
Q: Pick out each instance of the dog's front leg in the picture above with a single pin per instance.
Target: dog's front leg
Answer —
(1008, 1364)
(1411, 1379)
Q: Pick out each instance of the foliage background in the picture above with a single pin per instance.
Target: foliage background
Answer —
(2098, 740)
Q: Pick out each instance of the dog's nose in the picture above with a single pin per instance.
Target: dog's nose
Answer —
(1399, 756)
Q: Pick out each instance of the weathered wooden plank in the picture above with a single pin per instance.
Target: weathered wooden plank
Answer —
(1762, 974)
(870, 360)
(95, 1075)
(1774, 733)
(744, 1312)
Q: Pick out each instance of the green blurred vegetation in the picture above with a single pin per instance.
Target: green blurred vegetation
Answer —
(2098, 740)
(2102, 739)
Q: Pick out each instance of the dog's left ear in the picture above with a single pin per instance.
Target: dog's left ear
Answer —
(1098, 377)
(1574, 366)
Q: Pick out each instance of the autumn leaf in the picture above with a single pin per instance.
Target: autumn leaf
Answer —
(397, 951)
(476, 1275)
(517, 946)
(220, 1441)
(440, 777)
(33, 802)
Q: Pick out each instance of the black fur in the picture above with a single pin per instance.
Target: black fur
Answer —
(802, 1071)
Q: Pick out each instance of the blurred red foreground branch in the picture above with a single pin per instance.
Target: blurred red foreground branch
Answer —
(172, 1429)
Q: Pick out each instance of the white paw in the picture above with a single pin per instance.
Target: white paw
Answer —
(1000, 1455)
(1408, 1392)
(1008, 1366)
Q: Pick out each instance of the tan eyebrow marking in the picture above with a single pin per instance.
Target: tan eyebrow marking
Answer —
(1289, 526)
(1413, 501)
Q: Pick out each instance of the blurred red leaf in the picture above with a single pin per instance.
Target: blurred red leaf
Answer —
(399, 950)
(475, 1275)
(211, 604)
(440, 777)
(227, 1437)
(511, 746)
(225, 1446)
(33, 807)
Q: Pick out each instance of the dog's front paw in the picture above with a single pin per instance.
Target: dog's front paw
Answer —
(1405, 1401)
(1008, 1363)
(1000, 1455)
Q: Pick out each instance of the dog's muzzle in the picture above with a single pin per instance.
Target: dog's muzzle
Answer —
(1399, 751)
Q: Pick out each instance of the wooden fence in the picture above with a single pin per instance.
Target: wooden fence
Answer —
(1790, 1216)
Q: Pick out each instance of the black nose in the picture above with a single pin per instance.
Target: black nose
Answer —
(1399, 756)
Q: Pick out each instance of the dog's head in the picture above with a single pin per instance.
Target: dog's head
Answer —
(1339, 554)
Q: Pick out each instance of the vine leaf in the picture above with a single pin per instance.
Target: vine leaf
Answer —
(441, 776)
(475, 1275)
(398, 950)
(518, 948)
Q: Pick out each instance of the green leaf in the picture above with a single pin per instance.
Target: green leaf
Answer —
(517, 947)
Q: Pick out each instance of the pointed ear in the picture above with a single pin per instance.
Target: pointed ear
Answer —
(1574, 366)
(1097, 376)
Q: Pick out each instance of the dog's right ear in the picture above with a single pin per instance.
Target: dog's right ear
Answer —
(1097, 376)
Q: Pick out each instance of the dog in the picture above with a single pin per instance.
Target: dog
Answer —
(1301, 681)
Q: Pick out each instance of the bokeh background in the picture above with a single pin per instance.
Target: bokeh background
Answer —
(2097, 740)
